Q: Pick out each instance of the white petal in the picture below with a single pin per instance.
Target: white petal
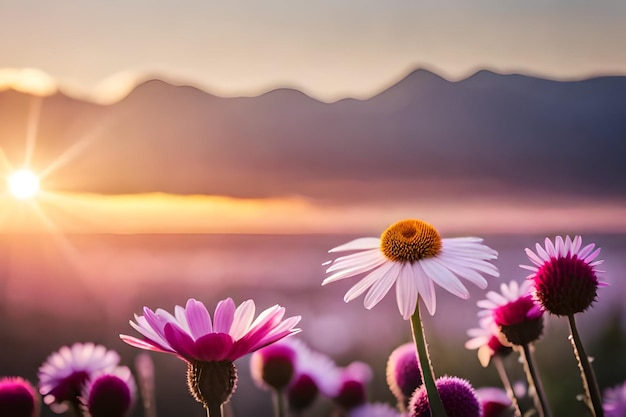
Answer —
(542, 252)
(592, 256)
(497, 298)
(468, 273)
(444, 278)
(529, 268)
(487, 304)
(560, 246)
(576, 244)
(358, 244)
(550, 248)
(406, 291)
(509, 291)
(349, 261)
(382, 287)
(468, 262)
(425, 288)
(244, 314)
(355, 270)
(365, 283)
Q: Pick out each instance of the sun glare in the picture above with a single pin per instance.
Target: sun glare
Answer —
(23, 184)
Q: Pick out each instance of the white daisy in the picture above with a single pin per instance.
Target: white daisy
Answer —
(412, 255)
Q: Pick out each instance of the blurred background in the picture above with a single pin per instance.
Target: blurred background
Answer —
(219, 150)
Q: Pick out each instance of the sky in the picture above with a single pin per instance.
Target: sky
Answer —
(329, 49)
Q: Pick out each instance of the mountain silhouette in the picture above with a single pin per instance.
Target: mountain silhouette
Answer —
(487, 134)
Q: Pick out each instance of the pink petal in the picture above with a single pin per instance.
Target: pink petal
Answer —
(224, 315)
(214, 347)
(198, 319)
(180, 341)
(143, 344)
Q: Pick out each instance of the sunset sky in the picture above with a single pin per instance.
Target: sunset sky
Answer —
(329, 49)
(100, 50)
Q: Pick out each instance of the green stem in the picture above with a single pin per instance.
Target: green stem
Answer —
(499, 364)
(279, 403)
(434, 400)
(593, 397)
(534, 382)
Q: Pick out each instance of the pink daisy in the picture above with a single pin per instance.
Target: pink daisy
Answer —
(564, 275)
(514, 312)
(194, 337)
(211, 346)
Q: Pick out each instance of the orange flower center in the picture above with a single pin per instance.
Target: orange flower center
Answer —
(410, 241)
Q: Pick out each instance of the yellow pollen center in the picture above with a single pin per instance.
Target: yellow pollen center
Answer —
(410, 241)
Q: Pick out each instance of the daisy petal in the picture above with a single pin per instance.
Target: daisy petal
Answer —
(381, 287)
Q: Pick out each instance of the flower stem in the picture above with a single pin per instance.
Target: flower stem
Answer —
(534, 382)
(213, 409)
(278, 397)
(499, 364)
(434, 400)
(593, 397)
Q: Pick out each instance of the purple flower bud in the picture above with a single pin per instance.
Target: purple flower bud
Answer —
(457, 396)
(403, 372)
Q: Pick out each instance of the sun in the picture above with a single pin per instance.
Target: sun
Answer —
(23, 184)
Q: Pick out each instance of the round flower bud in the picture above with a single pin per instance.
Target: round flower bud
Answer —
(457, 395)
(18, 398)
(403, 372)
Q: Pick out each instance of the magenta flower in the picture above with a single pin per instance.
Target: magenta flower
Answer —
(110, 394)
(514, 311)
(315, 373)
(211, 346)
(191, 335)
(353, 380)
(291, 365)
(62, 376)
(18, 398)
(564, 275)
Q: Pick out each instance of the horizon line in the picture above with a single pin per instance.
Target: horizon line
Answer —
(36, 82)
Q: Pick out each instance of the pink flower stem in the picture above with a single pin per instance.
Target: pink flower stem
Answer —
(434, 400)
(534, 382)
(499, 364)
(593, 398)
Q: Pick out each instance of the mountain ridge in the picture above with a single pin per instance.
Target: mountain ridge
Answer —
(513, 132)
